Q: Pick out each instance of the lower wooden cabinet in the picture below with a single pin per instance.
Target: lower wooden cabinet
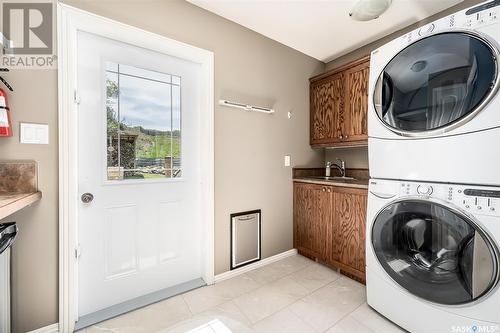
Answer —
(329, 225)
(347, 230)
(311, 227)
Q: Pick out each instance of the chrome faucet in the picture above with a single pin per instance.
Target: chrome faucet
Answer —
(340, 167)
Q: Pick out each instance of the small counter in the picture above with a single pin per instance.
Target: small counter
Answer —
(11, 203)
(313, 176)
(18, 186)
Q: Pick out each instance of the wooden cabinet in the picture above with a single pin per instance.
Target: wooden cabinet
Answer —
(312, 208)
(329, 225)
(347, 230)
(339, 105)
(327, 107)
(356, 105)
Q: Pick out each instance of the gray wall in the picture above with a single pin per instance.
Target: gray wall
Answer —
(34, 254)
(249, 147)
(358, 157)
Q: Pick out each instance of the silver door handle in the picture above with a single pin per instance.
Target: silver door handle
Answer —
(87, 197)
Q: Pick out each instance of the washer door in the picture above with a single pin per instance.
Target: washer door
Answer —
(436, 83)
(434, 251)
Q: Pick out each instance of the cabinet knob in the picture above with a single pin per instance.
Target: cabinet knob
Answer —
(329, 190)
(341, 136)
(345, 137)
(323, 189)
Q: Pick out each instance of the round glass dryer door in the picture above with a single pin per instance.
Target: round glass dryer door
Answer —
(436, 83)
(434, 251)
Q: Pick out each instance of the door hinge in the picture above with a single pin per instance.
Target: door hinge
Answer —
(76, 98)
(78, 252)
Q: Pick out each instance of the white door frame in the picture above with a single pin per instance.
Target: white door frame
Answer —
(70, 21)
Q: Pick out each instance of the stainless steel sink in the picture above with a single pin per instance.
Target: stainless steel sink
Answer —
(334, 178)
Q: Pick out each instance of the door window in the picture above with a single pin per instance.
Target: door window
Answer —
(434, 252)
(435, 82)
(143, 129)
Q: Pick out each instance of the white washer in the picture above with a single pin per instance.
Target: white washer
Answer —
(432, 258)
(433, 110)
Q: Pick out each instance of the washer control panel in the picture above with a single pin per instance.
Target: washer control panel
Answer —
(478, 200)
(424, 189)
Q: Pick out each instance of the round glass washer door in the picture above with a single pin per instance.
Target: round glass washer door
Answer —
(436, 83)
(435, 252)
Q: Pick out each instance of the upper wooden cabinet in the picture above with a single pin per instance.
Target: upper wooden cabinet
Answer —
(327, 106)
(339, 105)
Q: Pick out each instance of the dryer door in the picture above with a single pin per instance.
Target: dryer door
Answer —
(434, 251)
(436, 84)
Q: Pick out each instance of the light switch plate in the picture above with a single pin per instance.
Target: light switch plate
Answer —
(34, 133)
(287, 160)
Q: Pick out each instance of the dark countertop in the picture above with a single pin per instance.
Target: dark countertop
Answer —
(354, 183)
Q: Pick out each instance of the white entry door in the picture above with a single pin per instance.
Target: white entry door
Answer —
(139, 216)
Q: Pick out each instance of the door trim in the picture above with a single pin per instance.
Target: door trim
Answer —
(71, 20)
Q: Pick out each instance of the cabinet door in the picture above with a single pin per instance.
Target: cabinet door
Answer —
(324, 209)
(327, 109)
(311, 207)
(356, 103)
(348, 229)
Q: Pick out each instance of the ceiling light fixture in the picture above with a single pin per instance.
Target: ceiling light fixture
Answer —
(366, 10)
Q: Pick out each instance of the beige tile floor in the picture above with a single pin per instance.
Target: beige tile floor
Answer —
(292, 295)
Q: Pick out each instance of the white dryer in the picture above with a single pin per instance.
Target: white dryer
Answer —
(432, 258)
(434, 106)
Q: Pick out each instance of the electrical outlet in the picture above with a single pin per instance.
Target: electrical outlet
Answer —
(287, 160)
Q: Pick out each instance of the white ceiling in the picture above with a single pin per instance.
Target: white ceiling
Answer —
(321, 28)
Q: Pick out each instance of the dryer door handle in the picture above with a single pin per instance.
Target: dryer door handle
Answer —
(383, 94)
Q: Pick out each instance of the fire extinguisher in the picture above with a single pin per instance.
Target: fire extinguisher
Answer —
(5, 122)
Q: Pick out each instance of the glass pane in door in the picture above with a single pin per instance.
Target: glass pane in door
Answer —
(430, 250)
(435, 82)
(143, 135)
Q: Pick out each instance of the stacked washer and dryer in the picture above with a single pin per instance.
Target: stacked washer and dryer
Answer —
(433, 222)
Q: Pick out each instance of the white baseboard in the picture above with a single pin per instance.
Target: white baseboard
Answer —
(54, 328)
(247, 268)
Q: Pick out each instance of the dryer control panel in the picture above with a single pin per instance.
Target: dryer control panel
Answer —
(475, 199)
(482, 14)
(471, 18)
